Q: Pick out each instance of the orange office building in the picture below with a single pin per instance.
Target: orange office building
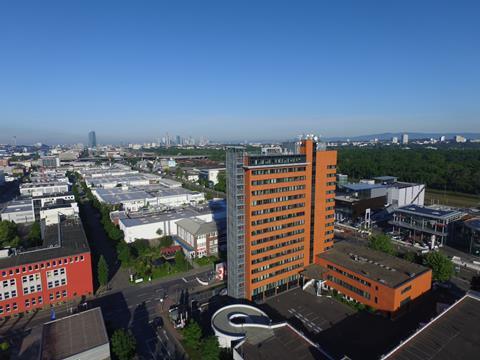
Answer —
(280, 215)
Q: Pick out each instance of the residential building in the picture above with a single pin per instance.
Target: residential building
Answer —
(92, 140)
(198, 238)
(58, 271)
(394, 140)
(81, 336)
(404, 139)
(428, 225)
(280, 215)
(384, 282)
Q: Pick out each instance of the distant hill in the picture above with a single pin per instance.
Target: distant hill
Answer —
(411, 136)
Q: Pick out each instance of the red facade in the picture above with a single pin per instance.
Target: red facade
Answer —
(41, 284)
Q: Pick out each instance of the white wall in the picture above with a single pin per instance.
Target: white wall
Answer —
(405, 196)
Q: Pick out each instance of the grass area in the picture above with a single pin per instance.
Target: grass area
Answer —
(206, 260)
(450, 198)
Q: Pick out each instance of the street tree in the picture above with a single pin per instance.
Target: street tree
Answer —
(442, 267)
(381, 242)
(102, 271)
(123, 344)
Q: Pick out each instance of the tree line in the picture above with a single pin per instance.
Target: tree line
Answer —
(451, 169)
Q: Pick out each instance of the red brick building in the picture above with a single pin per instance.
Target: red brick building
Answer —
(58, 271)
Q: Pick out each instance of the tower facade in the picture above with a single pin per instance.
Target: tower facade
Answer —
(280, 215)
(92, 140)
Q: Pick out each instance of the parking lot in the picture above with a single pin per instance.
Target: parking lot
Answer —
(314, 313)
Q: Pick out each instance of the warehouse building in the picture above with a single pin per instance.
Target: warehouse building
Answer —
(42, 189)
(19, 211)
(81, 336)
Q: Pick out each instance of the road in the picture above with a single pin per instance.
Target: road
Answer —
(137, 308)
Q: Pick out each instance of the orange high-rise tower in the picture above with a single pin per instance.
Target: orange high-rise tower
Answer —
(280, 215)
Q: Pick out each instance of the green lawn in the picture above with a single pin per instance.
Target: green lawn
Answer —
(451, 198)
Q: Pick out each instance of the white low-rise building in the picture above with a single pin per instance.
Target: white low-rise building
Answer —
(153, 226)
(19, 211)
(40, 189)
(211, 175)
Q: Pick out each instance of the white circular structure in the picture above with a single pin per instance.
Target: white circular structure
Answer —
(234, 323)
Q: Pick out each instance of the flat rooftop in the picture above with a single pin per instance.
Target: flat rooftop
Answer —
(454, 334)
(362, 187)
(18, 206)
(72, 335)
(473, 224)
(64, 239)
(375, 265)
(187, 212)
(431, 212)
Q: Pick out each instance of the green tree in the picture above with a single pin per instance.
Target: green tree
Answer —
(192, 334)
(8, 232)
(102, 271)
(166, 241)
(381, 242)
(124, 253)
(410, 256)
(222, 182)
(210, 348)
(35, 234)
(442, 267)
(181, 262)
(123, 344)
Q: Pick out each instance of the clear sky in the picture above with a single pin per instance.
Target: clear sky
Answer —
(133, 70)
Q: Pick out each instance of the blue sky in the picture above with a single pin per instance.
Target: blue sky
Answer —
(133, 70)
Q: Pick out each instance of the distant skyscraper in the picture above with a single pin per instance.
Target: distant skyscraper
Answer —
(179, 140)
(394, 140)
(92, 140)
(405, 139)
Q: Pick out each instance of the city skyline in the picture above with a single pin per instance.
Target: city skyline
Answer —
(130, 71)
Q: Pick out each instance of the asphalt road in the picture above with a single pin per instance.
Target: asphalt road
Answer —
(137, 308)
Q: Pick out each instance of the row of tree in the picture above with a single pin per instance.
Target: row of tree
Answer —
(443, 169)
(442, 267)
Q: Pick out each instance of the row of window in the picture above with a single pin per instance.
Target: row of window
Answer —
(8, 294)
(275, 160)
(278, 209)
(7, 283)
(44, 265)
(278, 227)
(278, 199)
(278, 170)
(278, 272)
(278, 218)
(404, 290)
(277, 263)
(350, 287)
(281, 253)
(278, 237)
(277, 190)
(57, 283)
(33, 288)
(278, 245)
(277, 180)
(349, 275)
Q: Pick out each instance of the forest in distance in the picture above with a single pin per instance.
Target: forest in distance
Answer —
(449, 169)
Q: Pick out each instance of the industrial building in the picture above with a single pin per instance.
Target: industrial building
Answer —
(81, 336)
(280, 216)
(466, 236)
(135, 198)
(428, 225)
(152, 226)
(18, 211)
(58, 271)
(454, 334)
(210, 175)
(198, 238)
(42, 189)
(370, 277)
(49, 161)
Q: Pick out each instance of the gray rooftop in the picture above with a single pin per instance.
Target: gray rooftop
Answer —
(64, 239)
(454, 334)
(197, 227)
(362, 187)
(187, 212)
(72, 335)
(18, 206)
(430, 212)
(375, 265)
